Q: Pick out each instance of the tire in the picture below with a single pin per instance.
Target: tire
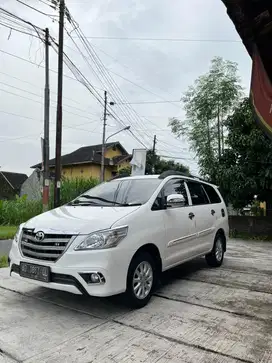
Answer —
(142, 268)
(216, 256)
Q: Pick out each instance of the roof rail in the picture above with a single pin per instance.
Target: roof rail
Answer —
(167, 173)
(124, 175)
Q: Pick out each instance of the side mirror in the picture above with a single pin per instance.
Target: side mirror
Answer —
(175, 201)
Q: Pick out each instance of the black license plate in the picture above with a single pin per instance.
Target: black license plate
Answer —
(35, 272)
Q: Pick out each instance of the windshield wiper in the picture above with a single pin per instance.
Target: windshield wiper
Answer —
(130, 204)
(98, 198)
(82, 202)
(90, 202)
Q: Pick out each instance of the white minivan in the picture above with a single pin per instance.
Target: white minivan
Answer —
(119, 236)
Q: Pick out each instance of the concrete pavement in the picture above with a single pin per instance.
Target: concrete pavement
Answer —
(199, 315)
(5, 246)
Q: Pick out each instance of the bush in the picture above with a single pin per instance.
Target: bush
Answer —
(20, 210)
(14, 212)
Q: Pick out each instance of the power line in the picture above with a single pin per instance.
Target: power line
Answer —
(40, 66)
(8, 13)
(166, 39)
(73, 127)
(122, 77)
(40, 96)
(71, 63)
(34, 85)
(175, 157)
(171, 145)
(35, 101)
(146, 102)
(102, 70)
(17, 30)
(37, 10)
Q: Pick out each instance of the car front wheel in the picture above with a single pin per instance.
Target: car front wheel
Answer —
(141, 280)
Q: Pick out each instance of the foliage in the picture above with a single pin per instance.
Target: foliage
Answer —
(3, 261)
(256, 209)
(156, 165)
(14, 212)
(72, 188)
(124, 171)
(7, 232)
(160, 165)
(6, 191)
(207, 104)
(245, 169)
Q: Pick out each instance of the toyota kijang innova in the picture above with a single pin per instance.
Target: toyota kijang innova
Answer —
(119, 236)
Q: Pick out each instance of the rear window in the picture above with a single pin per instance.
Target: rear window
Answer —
(212, 194)
(197, 192)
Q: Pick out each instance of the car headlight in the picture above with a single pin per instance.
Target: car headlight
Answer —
(107, 238)
(18, 233)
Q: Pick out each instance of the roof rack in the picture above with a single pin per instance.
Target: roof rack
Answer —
(167, 173)
(123, 175)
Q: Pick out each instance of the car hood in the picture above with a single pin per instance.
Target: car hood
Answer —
(78, 219)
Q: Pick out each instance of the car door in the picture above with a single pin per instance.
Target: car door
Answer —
(217, 207)
(204, 218)
(179, 225)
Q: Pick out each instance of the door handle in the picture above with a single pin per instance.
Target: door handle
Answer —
(191, 215)
(213, 212)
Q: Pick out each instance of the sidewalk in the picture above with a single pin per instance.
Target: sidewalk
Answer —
(5, 246)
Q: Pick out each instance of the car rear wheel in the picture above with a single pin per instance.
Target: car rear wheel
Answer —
(216, 257)
(142, 277)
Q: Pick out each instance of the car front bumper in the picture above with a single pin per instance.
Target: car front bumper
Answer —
(66, 273)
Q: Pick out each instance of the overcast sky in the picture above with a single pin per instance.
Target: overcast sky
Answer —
(163, 70)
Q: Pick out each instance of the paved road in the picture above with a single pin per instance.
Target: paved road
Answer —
(5, 247)
(199, 315)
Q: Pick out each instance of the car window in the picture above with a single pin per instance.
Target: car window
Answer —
(212, 194)
(198, 194)
(176, 186)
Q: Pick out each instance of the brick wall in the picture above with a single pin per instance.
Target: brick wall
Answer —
(257, 226)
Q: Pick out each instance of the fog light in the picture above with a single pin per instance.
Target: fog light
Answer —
(95, 278)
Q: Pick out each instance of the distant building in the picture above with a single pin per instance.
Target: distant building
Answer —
(86, 161)
(10, 184)
(32, 187)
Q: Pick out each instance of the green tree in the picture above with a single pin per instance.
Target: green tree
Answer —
(207, 105)
(245, 169)
(160, 165)
(156, 165)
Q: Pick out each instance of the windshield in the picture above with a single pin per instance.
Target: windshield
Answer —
(126, 192)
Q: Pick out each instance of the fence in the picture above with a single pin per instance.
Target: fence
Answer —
(255, 226)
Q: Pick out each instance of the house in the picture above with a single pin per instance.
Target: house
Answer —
(32, 186)
(10, 184)
(85, 162)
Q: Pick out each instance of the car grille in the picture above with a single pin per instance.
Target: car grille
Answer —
(51, 248)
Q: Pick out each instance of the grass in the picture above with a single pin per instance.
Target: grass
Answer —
(7, 232)
(3, 261)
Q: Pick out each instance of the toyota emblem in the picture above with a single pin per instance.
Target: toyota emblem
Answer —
(39, 236)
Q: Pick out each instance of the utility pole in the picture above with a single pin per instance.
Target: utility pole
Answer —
(102, 176)
(154, 153)
(154, 144)
(59, 107)
(219, 131)
(46, 126)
